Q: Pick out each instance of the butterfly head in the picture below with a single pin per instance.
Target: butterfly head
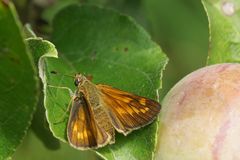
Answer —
(79, 78)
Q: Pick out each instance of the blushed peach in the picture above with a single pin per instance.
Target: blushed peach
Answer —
(200, 116)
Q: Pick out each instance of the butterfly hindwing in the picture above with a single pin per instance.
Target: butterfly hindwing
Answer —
(83, 132)
(127, 111)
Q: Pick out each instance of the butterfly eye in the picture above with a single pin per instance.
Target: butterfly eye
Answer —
(76, 82)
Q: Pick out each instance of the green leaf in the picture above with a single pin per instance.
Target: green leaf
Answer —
(50, 12)
(33, 149)
(28, 31)
(114, 50)
(18, 82)
(40, 49)
(224, 28)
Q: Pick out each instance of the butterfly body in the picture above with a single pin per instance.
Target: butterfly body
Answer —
(98, 110)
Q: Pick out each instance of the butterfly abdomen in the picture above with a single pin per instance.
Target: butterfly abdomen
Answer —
(100, 115)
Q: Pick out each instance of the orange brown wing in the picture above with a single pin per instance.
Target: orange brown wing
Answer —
(83, 131)
(127, 111)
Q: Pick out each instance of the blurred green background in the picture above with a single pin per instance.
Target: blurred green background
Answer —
(179, 27)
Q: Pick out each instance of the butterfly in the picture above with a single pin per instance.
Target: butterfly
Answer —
(98, 110)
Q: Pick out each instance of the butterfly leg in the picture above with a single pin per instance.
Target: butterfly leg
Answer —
(64, 116)
(61, 87)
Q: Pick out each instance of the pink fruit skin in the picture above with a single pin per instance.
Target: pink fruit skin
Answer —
(200, 117)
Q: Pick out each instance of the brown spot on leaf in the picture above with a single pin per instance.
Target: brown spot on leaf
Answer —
(15, 60)
(53, 72)
(125, 49)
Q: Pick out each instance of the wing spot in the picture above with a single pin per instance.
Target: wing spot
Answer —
(135, 110)
(75, 128)
(78, 135)
(85, 134)
(81, 135)
(142, 101)
(120, 110)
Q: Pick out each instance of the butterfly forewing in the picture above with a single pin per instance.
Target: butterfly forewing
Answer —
(127, 111)
(83, 132)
